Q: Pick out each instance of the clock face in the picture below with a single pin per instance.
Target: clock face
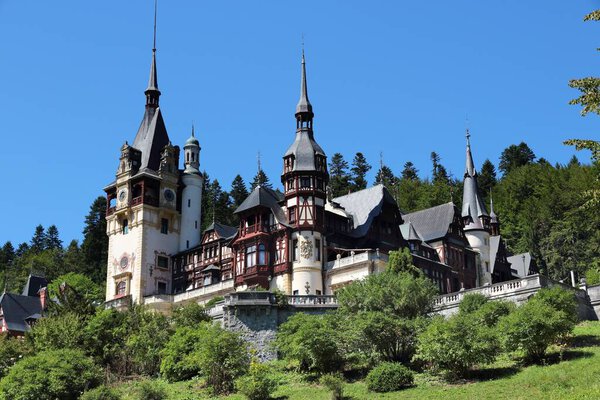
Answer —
(124, 262)
(169, 195)
(122, 195)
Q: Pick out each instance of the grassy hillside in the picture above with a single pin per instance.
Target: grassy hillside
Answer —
(570, 373)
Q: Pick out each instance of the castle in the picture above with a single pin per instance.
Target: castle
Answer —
(300, 241)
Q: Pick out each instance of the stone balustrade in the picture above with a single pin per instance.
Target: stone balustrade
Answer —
(357, 258)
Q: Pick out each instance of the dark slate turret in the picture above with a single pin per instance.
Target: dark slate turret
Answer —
(474, 214)
(304, 149)
(152, 135)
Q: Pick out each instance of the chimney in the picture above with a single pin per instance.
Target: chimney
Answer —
(43, 293)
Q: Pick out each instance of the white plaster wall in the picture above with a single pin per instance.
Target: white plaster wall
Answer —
(307, 269)
(478, 240)
(120, 245)
(155, 242)
(190, 216)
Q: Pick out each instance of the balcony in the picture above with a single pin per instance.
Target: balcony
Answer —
(356, 260)
(312, 301)
(260, 228)
(119, 303)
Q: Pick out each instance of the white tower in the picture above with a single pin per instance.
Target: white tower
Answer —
(476, 220)
(304, 179)
(191, 196)
(143, 222)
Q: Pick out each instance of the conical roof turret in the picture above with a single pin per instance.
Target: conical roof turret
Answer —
(473, 208)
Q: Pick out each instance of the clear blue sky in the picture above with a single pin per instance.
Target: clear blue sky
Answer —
(392, 76)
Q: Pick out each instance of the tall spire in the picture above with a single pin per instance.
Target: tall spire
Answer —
(473, 208)
(152, 92)
(470, 166)
(304, 108)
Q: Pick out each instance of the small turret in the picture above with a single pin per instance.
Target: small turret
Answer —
(494, 221)
(191, 155)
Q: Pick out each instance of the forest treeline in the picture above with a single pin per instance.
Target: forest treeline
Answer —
(541, 206)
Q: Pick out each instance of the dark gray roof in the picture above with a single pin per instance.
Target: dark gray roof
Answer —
(472, 205)
(224, 231)
(432, 223)
(304, 149)
(364, 206)
(17, 308)
(151, 138)
(521, 263)
(33, 285)
(264, 197)
(494, 248)
(409, 233)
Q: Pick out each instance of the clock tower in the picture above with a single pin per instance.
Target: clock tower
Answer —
(305, 179)
(143, 217)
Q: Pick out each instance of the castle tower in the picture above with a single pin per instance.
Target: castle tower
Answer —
(143, 221)
(304, 180)
(476, 219)
(191, 196)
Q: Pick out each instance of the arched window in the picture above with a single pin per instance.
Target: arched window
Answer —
(121, 288)
(262, 254)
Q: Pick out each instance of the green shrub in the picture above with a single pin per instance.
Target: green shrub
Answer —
(335, 383)
(213, 301)
(257, 384)
(190, 315)
(150, 390)
(11, 351)
(389, 377)
(455, 345)
(50, 375)
(471, 302)
(491, 312)
(592, 276)
(311, 341)
(100, 393)
(561, 299)
(207, 350)
(531, 328)
(390, 338)
(63, 331)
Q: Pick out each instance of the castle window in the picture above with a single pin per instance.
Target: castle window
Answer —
(196, 224)
(161, 287)
(125, 227)
(121, 288)
(305, 182)
(292, 214)
(262, 254)
(187, 244)
(250, 256)
(162, 262)
(317, 250)
(295, 250)
(164, 226)
(320, 184)
(189, 203)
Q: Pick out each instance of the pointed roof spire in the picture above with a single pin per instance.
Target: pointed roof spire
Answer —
(304, 106)
(493, 216)
(473, 207)
(470, 166)
(152, 92)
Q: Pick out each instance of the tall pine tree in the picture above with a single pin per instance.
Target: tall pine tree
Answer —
(410, 172)
(385, 177)
(238, 191)
(52, 239)
(94, 249)
(339, 180)
(486, 179)
(359, 170)
(38, 241)
(261, 179)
